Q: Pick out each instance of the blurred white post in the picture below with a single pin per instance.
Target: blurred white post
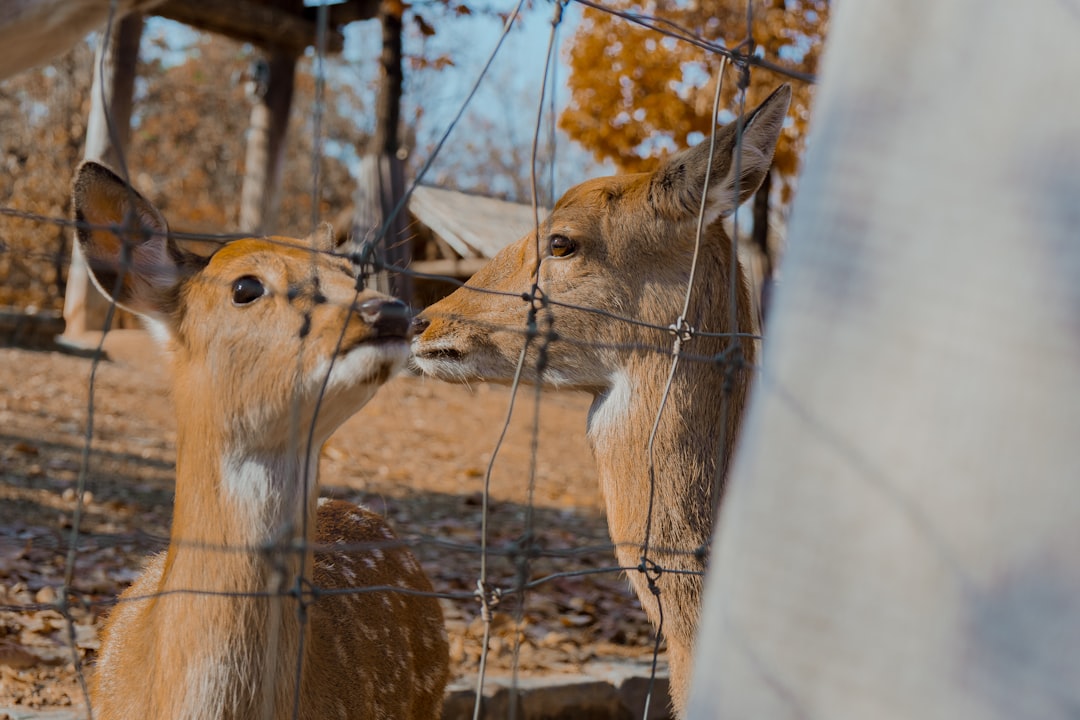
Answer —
(265, 160)
(108, 134)
(901, 536)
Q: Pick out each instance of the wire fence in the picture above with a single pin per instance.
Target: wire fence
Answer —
(509, 570)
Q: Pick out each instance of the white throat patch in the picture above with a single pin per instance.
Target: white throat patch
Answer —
(611, 409)
(268, 489)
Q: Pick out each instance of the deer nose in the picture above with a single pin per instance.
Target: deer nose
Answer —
(420, 324)
(388, 317)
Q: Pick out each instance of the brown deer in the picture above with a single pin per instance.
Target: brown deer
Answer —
(272, 348)
(623, 245)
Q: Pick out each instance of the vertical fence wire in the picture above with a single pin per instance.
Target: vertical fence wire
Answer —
(301, 582)
(541, 325)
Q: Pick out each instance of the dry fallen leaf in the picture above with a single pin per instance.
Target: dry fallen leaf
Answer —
(17, 657)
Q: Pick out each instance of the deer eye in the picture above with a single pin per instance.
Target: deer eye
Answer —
(247, 289)
(561, 246)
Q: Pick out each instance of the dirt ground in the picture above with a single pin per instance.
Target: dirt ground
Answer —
(417, 454)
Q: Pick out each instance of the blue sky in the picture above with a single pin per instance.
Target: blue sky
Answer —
(510, 93)
(506, 101)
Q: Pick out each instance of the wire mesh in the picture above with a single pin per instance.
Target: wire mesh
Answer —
(540, 334)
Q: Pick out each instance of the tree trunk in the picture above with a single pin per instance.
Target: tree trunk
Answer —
(108, 132)
(388, 109)
(266, 142)
(381, 184)
(900, 533)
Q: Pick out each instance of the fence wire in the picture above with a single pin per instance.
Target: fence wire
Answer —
(673, 341)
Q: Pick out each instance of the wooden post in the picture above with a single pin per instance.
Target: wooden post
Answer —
(108, 132)
(381, 183)
(266, 141)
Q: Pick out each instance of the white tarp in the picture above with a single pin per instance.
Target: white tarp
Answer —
(901, 537)
(473, 225)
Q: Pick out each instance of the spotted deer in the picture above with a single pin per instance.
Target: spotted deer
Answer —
(623, 245)
(272, 348)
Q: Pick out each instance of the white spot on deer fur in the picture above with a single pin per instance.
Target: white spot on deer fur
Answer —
(207, 685)
(158, 330)
(249, 482)
(266, 489)
(460, 369)
(369, 563)
(611, 408)
(556, 378)
(363, 364)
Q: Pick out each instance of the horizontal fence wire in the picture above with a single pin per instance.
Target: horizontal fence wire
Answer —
(519, 573)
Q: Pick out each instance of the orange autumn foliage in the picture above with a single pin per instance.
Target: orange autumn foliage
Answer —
(637, 95)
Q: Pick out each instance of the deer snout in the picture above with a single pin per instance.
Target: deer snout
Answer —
(420, 324)
(388, 318)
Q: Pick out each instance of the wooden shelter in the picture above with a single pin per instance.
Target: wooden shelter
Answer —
(453, 234)
(457, 232)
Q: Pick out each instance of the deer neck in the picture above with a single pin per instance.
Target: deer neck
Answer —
(241, 498)
(694, 437)
(694, 440)
(678, 475)
(661, 504)
(238, 514)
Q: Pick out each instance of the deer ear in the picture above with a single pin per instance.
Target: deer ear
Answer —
(737, 167)
(126, 243)
(321, 238)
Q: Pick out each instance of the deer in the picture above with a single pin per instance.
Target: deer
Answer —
(615, 248)
(269, 602)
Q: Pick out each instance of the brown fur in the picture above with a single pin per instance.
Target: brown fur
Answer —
(213, 626)
(635, 239)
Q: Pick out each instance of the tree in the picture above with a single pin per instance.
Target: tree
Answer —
(657, 92)
(187, 151)
(42, 123)
(492, 151)
(194, 167)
